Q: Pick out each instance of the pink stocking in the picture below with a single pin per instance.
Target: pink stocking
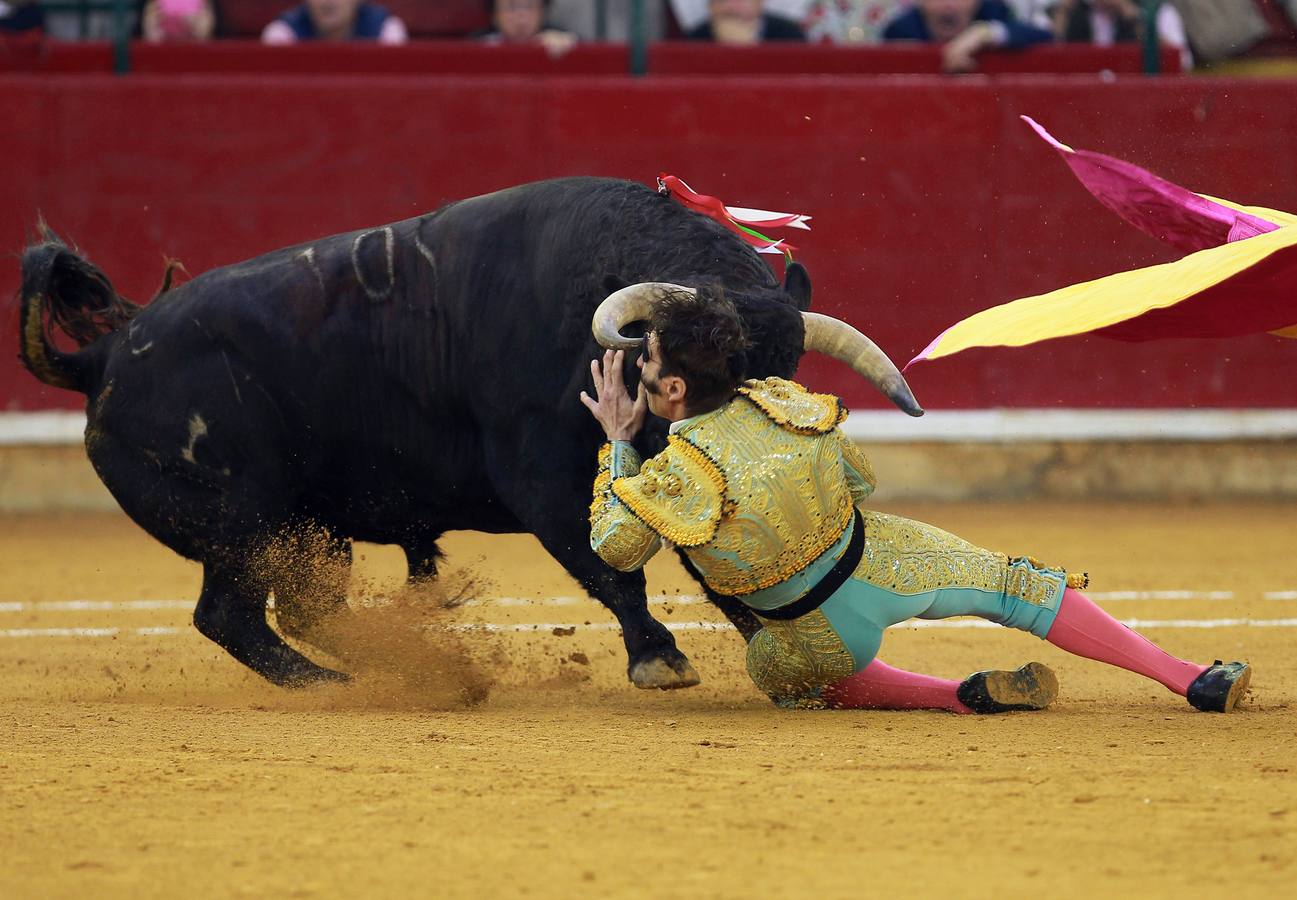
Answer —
(1086, 630)
(879, 686)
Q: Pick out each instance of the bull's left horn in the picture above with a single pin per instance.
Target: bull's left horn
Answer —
(633, 303)
(837, 339)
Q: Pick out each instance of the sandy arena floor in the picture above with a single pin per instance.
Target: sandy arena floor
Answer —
(136, 759)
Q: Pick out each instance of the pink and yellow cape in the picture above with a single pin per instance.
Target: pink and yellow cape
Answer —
(1240, 276)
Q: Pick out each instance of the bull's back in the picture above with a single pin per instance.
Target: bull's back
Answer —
(384, 361)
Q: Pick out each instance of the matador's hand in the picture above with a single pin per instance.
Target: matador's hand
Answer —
(620, 416)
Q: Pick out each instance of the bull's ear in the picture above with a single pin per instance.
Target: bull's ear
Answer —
(797, 284)
(612, 284)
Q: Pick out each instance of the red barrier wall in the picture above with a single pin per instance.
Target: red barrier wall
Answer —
(930, 199)
(443, 57)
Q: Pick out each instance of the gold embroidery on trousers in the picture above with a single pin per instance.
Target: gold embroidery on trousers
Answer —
(911, 557)
(794, 659)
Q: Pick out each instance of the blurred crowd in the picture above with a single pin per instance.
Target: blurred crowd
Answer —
(1205, 30)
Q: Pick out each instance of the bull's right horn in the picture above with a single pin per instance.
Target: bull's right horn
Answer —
(835, 338)
(633, 303)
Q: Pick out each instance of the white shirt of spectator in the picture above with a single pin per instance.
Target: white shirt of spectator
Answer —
(692, 13)
(278, 33)
(1033, 12)
(1170, 31)
(851, 21)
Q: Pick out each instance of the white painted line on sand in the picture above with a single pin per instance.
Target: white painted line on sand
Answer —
(85, 632)
(1159, 595)
(573, 627)
(653, 599)
(914, 623)
(90, 605)
(16, 606)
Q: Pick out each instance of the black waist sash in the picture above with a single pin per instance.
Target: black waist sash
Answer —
(828, 585)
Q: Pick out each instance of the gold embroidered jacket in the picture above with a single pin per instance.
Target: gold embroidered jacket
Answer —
(753, 491)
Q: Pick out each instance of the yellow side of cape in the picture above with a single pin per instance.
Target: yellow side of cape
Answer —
(1091, 305)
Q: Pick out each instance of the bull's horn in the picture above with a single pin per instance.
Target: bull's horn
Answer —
(839, 340)
(633, 303)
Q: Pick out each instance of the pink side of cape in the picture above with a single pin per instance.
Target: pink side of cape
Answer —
(1252, 301)
(923, 354)
(1154, 205)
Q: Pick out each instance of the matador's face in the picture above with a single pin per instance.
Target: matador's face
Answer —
(650, 366)
(665, 394)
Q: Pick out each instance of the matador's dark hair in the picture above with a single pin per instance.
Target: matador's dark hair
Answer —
(702, 340)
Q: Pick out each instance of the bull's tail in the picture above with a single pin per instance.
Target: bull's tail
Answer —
(62, 290)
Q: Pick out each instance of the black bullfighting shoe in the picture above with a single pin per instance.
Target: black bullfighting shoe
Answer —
(1220, 688)
(1033, 686)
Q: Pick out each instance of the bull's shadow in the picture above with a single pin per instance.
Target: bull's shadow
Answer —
(386, 385)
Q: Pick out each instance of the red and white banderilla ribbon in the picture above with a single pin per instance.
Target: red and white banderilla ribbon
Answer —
(738, 219)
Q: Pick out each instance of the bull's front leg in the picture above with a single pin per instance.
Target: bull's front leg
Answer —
(556, 509)
(654, 661)
(740, 616)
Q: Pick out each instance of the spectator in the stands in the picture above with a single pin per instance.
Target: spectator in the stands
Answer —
(525, 22)
(744, 22)
(964, 28)
(850, 21)
(178, 20)
(18, 16)
(1108, 22)
(336, 20)
(1220, 30)
(1034, 12)
(582, 19)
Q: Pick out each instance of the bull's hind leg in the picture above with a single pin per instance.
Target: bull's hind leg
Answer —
(421, 555)
(232, 612)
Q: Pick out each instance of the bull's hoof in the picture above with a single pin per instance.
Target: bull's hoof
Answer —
(301, 676)
(658, 673)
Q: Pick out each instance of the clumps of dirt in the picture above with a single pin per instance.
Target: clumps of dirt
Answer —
(309, 570)
(404, 651)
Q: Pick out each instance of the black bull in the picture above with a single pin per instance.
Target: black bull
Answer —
(385, 385)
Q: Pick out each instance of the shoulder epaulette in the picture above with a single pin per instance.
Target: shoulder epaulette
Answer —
(791, 406)
(679, 493)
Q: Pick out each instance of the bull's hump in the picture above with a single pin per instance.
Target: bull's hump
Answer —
(556, 193)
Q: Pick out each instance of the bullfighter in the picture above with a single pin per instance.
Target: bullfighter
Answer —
(763, 493)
